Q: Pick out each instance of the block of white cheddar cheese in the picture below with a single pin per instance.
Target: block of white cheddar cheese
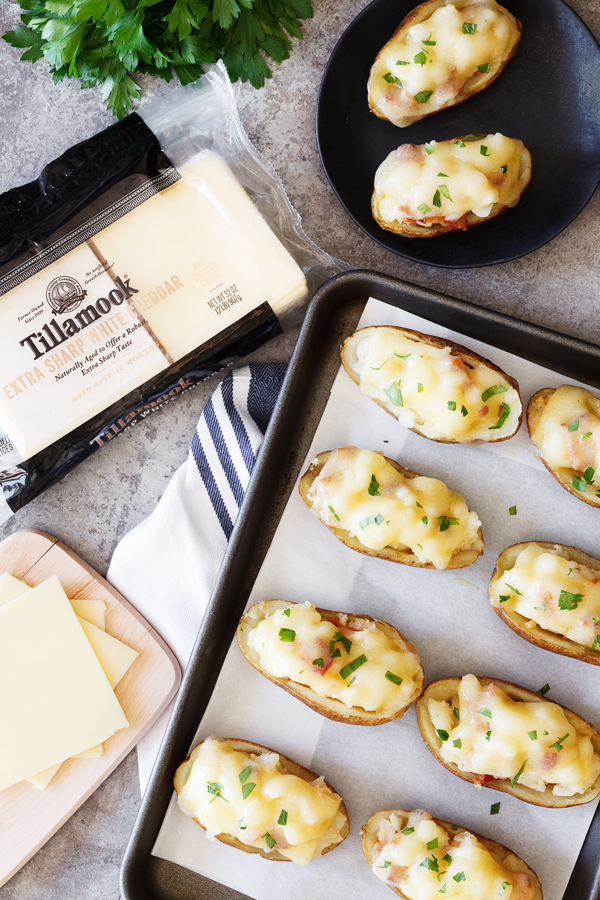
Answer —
(56, 700)
(201, 256)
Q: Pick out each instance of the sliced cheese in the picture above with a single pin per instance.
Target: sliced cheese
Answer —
(10, 588)
(93, 753)
(56, 700)
(114, 656)
(43, 779)
(93, 611)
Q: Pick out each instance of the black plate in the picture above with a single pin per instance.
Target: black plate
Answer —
(548, 96)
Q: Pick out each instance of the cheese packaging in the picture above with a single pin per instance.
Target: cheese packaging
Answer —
(138, 263)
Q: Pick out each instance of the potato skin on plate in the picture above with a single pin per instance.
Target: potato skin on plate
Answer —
(331, 708)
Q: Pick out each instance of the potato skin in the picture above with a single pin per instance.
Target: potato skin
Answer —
(459, 560)
(413, 230)
(547, 640)
(445, 688)
(469, 357)
(290, 767)
(535, 408)
(478, 83)
(513, 862)
(331, 709)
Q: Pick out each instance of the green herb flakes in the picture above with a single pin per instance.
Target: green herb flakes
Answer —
(504, 414)
(424, 520)
(386, 864)
(456, 713)
(558, 744)
(494, 809)
(437, 200)
(469, 28)
(269, 841)
(460, 876)
(445, 192)
(484, 150)
(421, 58)
(429, 149)
(504, 170)
(345, 642)
(442, 890)
(532, 735)
(503, 887)
(402, 62)
(586, 435)
(484, 711)
(374, 487)
(247, 789)
(424, 208)
(494, 389)
(443, 735)
(442, 175)
(457, 743)
(430, 863)
(588, 475)
(447, 858)
(516, 777)
(419, 385)
(513, 589)
(485, 68)
(318, 662)
(283, 816)
(213, 787)
(395, 679)
(391, 79)
(573, 426)
(371, 520)
(394, 393)
(512, 510)
(446, 521)
(488, 735)
(451, 405)
(544, 690)
(245, 774)
(423, 96)
(334, 514)
(429, 42)
(596, 643)
(407, 831)
(286, 612)
(568, 600)
(432, 845)
(353, 666)
(503, 598)
(464, 411)
(287, 635)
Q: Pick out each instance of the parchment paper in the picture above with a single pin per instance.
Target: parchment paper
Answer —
(446, 614)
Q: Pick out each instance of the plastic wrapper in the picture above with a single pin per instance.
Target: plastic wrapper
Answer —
(138, 263)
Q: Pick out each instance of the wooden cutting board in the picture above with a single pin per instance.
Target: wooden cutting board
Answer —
(28, 817)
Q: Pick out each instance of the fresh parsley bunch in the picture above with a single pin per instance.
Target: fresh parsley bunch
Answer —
(105, 41)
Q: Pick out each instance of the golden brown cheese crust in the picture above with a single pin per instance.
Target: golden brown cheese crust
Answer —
(414, 230)
(535, 408)
(469, 357)
(460, 559)
(534, 633)
(506, 856)
(446, 688)
(472, 86)
(328, 707)
(288, 766)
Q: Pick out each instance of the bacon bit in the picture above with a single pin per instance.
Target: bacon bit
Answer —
(408, 151)
(483, 411)
(455, 224)
(483, 779)
(522, 889)
(395, 874)
(550, 759)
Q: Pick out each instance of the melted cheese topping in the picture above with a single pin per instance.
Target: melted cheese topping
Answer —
(559, 594)
(214, 795)
(437, 56)
(439, 393)
(420, 513)
(568, 437)
(445, 180)
(460, 864)
(531, 743)
(321, 654)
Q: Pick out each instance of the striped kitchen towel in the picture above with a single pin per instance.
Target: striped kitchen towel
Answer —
(168, 564)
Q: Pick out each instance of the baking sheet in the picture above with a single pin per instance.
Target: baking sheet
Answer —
(446, 614)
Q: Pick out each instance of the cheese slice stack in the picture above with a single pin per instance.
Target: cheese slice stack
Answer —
(58, 670)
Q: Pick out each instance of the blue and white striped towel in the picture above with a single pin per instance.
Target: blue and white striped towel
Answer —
(167, 565)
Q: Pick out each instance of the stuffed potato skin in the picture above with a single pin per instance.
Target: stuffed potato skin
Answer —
(411, 225)
(535, 410)
(331, 708)
(470, 360)
(459, 560)
(509, 859)
(445, 688)
(287, 766)
(528, 629)
(472, 84)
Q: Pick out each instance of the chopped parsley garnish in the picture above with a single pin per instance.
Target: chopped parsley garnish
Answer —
(424, 209)
(418, 545)
(394, 394)
(446, 521)
(451, 405)
(517, 776)
(431, 864)
(458, 743)
(269, 841)
(334, 514)
(402, 62)
(504, 170)
(494, 389)
(485, 68)
(494, 809)
(460, 876)
(442, 175)
(596, 643)
(318, 662)
(429, 42)
(512, 510)
(568, 600)
(406, 355)
(353, 666)
(469, 28)
(456, 713)
(445, 192)
(503, 887)
(429, 149)
(423, 96)
(558, 744)
(484, 711)
(418, 504)
(573, 426)
(541, 608)
(464, 411)
(437, 200)
(391, 79)
(371, 520)
(336, 652)
(374, 487)
(377, 368)
(407, 831)
(421, 58)
(247, 789)
(443, 735)
(442, 890)
(513, 589)
(447, 858)
(395, 679)
(532, 735)
(240, 826)
(488, 735)
(586, 435)
(503, 598)
(245, 774)
(338, 636)
(287, 635)
(589, 474)
(431, 845)
(420, 386)
(282, 820)
(286, 612)
(454, 828)
(504, 414)
(213, 787)
(424, 520)
(595, 618)
(386, 864)
(460, 143)
(544, 690)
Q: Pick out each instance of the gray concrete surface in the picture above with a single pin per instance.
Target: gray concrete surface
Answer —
(558, 286)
